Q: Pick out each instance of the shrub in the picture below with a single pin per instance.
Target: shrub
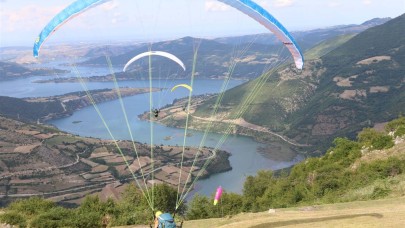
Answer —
(400, 131)
(56, 217)
(377, 140)
(383, 142)
(395, 124)
(200, 207)
(13, 218)
(31, 206)
(380, 192)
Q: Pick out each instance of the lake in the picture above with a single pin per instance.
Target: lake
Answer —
(245, 160)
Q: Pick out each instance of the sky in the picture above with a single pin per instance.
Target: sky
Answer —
(148, 20)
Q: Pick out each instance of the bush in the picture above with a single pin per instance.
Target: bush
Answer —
(344, 151)
(383, 142)
(88, 220)
(377, 140)
(395, 124)
(400, 131)
(200, 208)
(31, 206)
(56, 217)
(254, 188)
(380, 192)
(13, 218)
(229, 204)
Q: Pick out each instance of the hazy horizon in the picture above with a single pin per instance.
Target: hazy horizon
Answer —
(124, 20)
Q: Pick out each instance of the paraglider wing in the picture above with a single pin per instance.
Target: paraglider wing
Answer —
(257, 12)
(159, 53)
(182, 85)
(218, 195)
(61, 18)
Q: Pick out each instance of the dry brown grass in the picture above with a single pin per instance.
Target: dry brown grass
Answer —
(376, 213)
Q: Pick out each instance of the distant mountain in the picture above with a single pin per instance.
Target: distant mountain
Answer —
(310, 38)
(253, 52)
(213, 59)
(376, 21)
(10, 70)
(358, 84)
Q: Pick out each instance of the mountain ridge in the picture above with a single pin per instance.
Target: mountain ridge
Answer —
(337, 94)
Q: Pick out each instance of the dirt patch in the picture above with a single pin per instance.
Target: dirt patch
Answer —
(277, 152)
(374, 59)
(344, 82)
(352, 94)
(379, 89)
(27, 132)
(247, 59)
(26, 149)
(99, 169)
(44, 136)
(380, 126)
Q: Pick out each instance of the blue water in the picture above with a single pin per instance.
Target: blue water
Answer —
(245, 159)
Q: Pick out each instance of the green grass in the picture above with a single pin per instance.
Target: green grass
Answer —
(326, 46)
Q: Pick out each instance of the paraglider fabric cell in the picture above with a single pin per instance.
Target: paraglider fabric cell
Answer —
(259, 14)
(182, 85)
(158, 53)
(61, 18)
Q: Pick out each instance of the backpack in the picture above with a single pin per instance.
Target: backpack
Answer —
(166, 221)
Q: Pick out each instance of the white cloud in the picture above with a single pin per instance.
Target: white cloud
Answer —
(282, 3)
(30, 16)
(214, 6)
(367, 2)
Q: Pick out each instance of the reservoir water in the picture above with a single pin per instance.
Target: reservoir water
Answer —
(245, 160)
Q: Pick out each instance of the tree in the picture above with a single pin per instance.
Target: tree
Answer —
(200, 208)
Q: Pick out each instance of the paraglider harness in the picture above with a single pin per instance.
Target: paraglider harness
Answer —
(156, 112)
(166, 220)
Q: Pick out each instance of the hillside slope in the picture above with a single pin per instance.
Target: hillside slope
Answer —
(358, 84)
(363, 84)
(9, 70)
(212, 61)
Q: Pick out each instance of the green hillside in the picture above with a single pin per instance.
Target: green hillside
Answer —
(363, 84)
(327, 46)
(355, 85)
(27, 111)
